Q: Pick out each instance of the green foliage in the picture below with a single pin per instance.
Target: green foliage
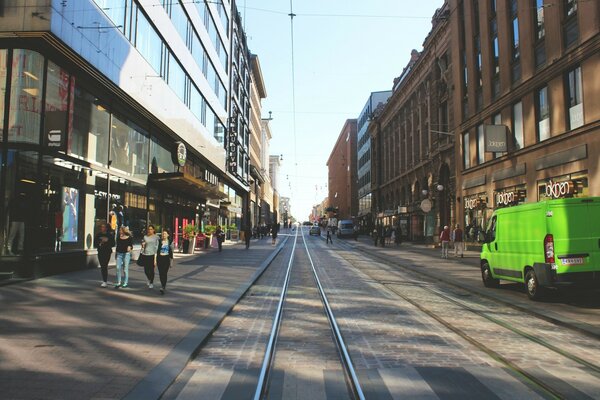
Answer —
(190, 230)
(232, 227)
(209, 229)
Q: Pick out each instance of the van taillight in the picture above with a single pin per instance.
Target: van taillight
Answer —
(549, 249)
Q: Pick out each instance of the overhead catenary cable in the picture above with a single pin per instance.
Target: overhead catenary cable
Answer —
(292, 15)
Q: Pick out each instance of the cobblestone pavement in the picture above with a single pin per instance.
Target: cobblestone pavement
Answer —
(64, 337)
(569, 377)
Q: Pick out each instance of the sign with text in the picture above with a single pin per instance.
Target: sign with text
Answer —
(556, 190)
(495, 138)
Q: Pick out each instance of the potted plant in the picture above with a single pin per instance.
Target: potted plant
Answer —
(189, 238)
(209, 230)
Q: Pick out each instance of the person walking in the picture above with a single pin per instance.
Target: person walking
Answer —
(459, 244)
(150, 245)
(247, 236)
(445, 240)
(274, 231)
(398, 237)
(164, 259)
(375, 237)
(329, 236)
(124, 247)
(220, 237)
(104, 242)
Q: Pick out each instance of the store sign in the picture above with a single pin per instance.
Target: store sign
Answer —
(426, 205)
(54, 130)
(180, 155)
(232, 152)
(556, 190)
(505, 198)
(211, 178)
(103, 195)
(473, 203)
(495, 138)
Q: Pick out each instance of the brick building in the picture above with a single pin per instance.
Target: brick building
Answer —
(528, 66)
(342, 173)
(412, 149)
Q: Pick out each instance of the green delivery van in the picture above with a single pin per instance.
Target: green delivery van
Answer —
(544, 244)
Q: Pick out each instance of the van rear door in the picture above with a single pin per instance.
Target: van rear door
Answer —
(574, 226)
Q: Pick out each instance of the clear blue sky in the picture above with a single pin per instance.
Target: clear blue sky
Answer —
(339, 60)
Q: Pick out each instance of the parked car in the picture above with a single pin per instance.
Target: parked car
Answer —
(545, 244)
(315, 230)
(345, 227)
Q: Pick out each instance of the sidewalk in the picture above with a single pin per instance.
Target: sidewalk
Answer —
(65, 337)
(580, 310)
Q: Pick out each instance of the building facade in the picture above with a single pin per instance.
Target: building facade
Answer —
(363, 147)
(413, 176)
(261, 193)
(527, 103)
(342, 171)
(274, 172)
(112, 112)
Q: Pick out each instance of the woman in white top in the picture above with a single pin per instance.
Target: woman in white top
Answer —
(150, 245)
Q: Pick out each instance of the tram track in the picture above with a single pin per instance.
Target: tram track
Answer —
(548, 389)
(262, 388)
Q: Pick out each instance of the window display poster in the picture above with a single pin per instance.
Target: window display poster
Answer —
(70, 205)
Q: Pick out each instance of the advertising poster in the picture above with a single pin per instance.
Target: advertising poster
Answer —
(70, 205)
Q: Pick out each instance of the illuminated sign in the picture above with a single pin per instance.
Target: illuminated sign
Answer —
(505, 198)
(557, 190)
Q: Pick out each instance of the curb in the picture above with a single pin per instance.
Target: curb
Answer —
(162, 376)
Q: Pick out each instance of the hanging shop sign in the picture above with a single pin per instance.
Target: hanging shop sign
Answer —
(180, 154)
(495, 138)
(426, 205)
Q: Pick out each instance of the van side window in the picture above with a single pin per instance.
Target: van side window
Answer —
(492, 230)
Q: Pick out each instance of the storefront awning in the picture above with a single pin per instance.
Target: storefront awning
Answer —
(185, 185)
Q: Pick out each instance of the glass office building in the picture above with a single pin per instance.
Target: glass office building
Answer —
(111, 111)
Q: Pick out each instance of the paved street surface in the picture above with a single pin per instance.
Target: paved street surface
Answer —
(409, 335)
(65, 337)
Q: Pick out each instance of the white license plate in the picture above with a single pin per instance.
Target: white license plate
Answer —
(572, 261)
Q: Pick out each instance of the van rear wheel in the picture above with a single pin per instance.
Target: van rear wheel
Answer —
(534, 290)
(486, 277)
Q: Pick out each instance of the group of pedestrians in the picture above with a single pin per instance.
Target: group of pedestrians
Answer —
(456, 237)
(157, 252)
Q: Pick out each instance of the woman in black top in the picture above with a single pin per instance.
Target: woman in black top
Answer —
(164, 256)
(104, 242)
(124, 247)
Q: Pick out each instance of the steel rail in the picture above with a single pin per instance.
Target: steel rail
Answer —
(347, 360)
(269, 352)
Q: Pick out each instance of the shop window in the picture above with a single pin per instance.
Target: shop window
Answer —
(566, 186)
(25, 96)
(543, 114)
(517, 123)
(21, 194)
(575, 98)
(57, 105)
(162, 160)
(128, 148)
(3, 64)
(88, 137)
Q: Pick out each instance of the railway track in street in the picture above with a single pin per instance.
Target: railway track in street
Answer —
(515, 343)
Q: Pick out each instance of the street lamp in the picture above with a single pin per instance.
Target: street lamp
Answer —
(440, 187)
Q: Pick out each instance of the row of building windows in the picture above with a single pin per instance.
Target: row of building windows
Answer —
(570, 34)
(542, 108)
(142, 34)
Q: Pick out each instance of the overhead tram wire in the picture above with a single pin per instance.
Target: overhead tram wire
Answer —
(292, 15)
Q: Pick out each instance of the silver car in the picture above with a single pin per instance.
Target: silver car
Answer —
(314, 230)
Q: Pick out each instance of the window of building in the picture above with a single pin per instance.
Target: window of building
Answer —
(176, 77)
(466, 152)
(162, 160)
(480, 145)
(515, 36)
(88, 138)
(3, 72)
(538, 18)
(571, 26)
(543, 113)
(24, 117)
(197, 104)
(114, 10)
(147, 41)
(180, 20)
(575, 98)
(517, 125)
